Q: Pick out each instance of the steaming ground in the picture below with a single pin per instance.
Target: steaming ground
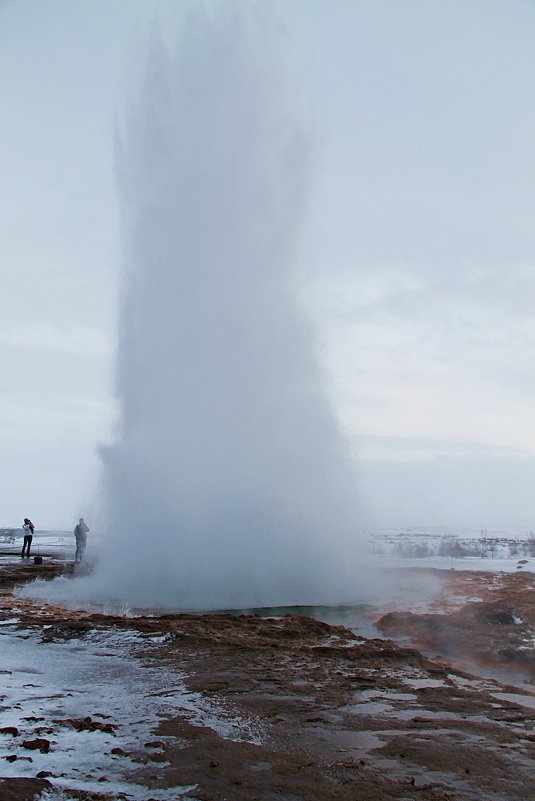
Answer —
(384, 584)
(230, 483)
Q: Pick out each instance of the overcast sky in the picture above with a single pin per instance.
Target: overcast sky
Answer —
(417, 258)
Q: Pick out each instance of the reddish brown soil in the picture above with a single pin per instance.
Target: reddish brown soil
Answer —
(483, 619)
(340, 716)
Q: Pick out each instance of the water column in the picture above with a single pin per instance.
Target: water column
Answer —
(229, 483)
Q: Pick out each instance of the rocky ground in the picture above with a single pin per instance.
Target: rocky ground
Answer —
(236, 707)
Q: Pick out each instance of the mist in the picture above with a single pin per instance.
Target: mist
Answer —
(229, 483)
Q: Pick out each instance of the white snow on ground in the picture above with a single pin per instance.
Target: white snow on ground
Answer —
(506, 565)
(97, 676)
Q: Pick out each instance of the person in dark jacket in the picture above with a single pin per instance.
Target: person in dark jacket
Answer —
(80, 533)
(28, 529)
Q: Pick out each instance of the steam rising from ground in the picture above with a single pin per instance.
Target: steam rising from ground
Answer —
(229, 484)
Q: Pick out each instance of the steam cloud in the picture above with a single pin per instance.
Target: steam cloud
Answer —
(229, 484)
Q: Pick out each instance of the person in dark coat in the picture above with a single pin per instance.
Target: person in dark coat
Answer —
(80, 533)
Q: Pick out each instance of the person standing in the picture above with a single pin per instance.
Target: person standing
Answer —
(80, 533)
(28, 529)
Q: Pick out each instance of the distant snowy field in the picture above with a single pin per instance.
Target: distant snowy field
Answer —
(484, 549)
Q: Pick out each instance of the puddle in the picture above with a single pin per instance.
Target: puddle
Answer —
(376, 708)
(376, 703)
(414, 713)
(421, 683)
(387, 695)
(360, 741)
(451, 734)
(289, 698)
(357, 742)
(523, 700)
(258, 766)
(461, 681)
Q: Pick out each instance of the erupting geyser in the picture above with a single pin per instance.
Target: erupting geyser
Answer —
(229, 484)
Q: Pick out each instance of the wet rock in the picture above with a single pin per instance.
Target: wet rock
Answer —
(118, 751)
(158, 758)
(44, 774)
(19, 788)
(10, 730)
(39, 744)
(40, 730)
(214, 763)
(154, 744)
(87, 724)
(497, 614)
